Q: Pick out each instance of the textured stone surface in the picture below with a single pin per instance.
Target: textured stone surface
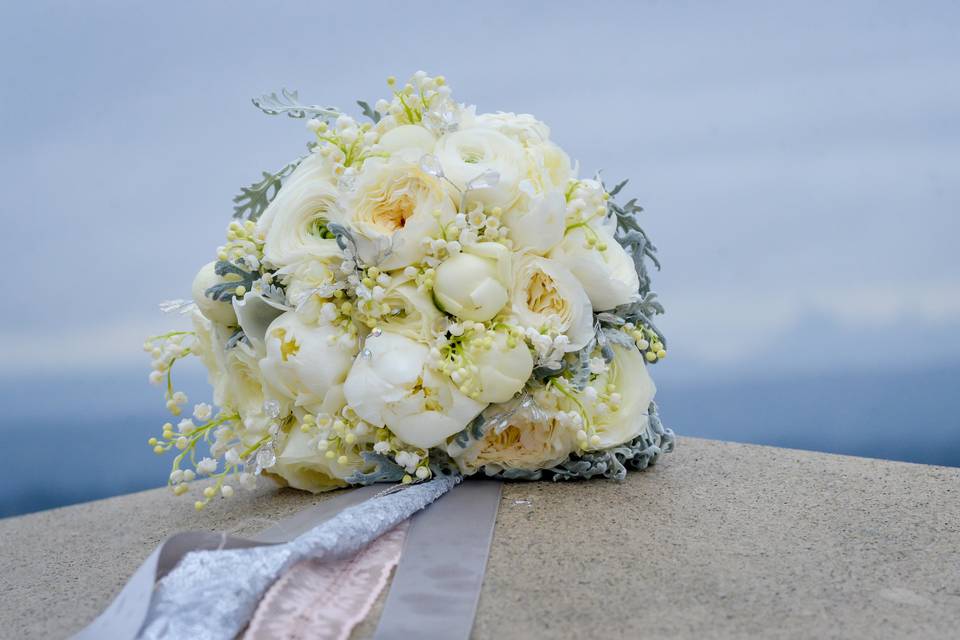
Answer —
(719, 540)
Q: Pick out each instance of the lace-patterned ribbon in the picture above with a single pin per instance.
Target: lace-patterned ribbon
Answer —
(326, 600)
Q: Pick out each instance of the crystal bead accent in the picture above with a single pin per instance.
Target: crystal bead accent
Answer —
(376, 332)
(272, 408)
(488, 178)
(431, 164)
(366, 354)
(266, 458)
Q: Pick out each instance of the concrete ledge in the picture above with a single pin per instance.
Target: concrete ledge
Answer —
(719, 540)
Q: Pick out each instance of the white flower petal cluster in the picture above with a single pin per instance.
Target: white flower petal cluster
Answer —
(413, 276)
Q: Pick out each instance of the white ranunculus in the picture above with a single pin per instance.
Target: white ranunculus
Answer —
(391, 210)
(522, 127)
(619, 423)
(412, 311)
(538, 224)
(609, 276)
(468, 153)
(216, 310)
(304, 361)
(394, 387)
(547, 295)
(295, 222)
(473, 284)
(409, 140)
(525, 444)
(303, 467)
(502, 370)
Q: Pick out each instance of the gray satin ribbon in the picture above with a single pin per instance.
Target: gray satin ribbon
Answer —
(436, 587)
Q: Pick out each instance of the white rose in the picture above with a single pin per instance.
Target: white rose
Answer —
(412, 311)
(302, 466)
(391, 210)
(502, 369)
(216, 310)
(539, 224)
(394, 387)
(472, 284)
(547, 295)
(304, 361)
(608, 276)
(468, 153)
(410, 140)
(619, 422)
(295, 222)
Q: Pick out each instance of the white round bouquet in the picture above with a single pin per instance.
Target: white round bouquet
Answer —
(431, 291)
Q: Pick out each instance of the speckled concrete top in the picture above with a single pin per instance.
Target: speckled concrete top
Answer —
(719, 540)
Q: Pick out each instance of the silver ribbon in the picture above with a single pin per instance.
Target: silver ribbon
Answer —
(436, 587)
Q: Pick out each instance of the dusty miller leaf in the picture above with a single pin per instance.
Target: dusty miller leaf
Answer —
(288, 102)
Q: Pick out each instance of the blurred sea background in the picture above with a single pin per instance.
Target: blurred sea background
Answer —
(799, 164)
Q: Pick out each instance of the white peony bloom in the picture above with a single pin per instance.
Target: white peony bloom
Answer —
(295, 223)
(619, 420)
(304, 361)
(473, 284)
(608, 276)
(467, 154)
(394, 387)
(302, 466)
(547, 296)
(216, 310)
(502, 370)
(392, 209)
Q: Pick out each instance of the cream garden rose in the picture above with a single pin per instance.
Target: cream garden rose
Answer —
(523, 444)
(621, 414)
(392, 207)
(548, 298)
(473, 284)
(393, 386)
(233, 373)
(300, 466)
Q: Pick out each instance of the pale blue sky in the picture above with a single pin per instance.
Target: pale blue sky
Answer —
(800, 165)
